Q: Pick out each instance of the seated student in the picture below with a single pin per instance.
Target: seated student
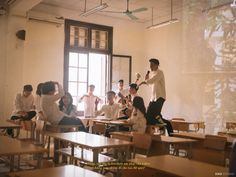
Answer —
(111, 110)
(24, 105)
(50, 108)
(66, 105)
(89, 100)
(138, 115)
(37, 100)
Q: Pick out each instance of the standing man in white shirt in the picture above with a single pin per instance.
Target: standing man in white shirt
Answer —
(89, 100)
(158, 95)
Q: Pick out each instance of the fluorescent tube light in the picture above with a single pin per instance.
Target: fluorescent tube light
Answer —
(175, 20)
(94, 10)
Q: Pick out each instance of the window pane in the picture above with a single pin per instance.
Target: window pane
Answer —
(83, 60)
(73, 74)
(83, 75)
(99, 39)
(82, 89)
(73, 59)
(73, 88)
(81, 106)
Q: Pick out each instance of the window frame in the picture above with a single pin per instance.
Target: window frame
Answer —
(85, 50)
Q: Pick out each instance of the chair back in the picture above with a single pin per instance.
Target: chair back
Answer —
(179, 126)
(142, 143)
(99, 129)
(230, 125)
(215, 142)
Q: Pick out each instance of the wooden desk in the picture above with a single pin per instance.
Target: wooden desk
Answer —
(161, 144)
(63, 171)
(198, 136)
(115, 123)
(230, 132)
(167, 165)
(185, 125)
(6, 124)
(11, 147)
(90, 141)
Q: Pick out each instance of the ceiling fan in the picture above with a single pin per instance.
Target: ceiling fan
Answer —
(128, 12)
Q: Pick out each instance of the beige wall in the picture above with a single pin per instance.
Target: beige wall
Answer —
(3, 29)
(41, 56)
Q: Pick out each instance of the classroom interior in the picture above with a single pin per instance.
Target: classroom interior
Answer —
(195, 42)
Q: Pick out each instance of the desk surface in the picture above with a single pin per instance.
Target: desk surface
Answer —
(198, 136)
(113, 122)
(63, 171)
(165, 139)
(230, 132)
(181, 166)
(5, 124)
(11, 146)
(187, 122)
(89, 140)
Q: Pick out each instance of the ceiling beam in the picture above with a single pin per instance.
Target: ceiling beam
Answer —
(21, 7)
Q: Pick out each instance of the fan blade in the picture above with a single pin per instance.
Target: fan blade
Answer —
(118, 12)
(131, 16)
(139, 10)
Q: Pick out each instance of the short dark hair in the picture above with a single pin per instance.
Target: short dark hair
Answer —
(134, 86)
(121, 80)
(91, 85)
(28, 88)
(155, 61)
(39, 89)
(48, 87)
(111, 92)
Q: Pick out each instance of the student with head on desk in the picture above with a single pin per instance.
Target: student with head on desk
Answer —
(51, 109)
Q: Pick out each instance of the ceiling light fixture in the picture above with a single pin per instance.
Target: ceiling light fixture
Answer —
(171, 21)
(93, 10)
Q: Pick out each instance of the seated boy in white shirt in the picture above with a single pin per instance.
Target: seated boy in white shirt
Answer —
(111, 109)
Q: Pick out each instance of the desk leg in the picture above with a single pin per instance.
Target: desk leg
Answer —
(95, 155)
(56, 147)
(72, 153)
(11, 163)
(39, 164)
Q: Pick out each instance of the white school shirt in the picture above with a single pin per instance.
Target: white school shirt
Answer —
(110, 111)
(38, 108)
(23, 103)
(50, 108)
(89, 105)
(138, 120)
(157, 83)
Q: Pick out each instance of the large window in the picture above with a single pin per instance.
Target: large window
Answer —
(88, 49)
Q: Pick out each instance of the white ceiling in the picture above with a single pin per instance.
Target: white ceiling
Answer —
(161, 8)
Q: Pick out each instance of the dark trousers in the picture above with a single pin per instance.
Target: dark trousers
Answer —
(30, 115)
(154, 110)
(73, 121)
